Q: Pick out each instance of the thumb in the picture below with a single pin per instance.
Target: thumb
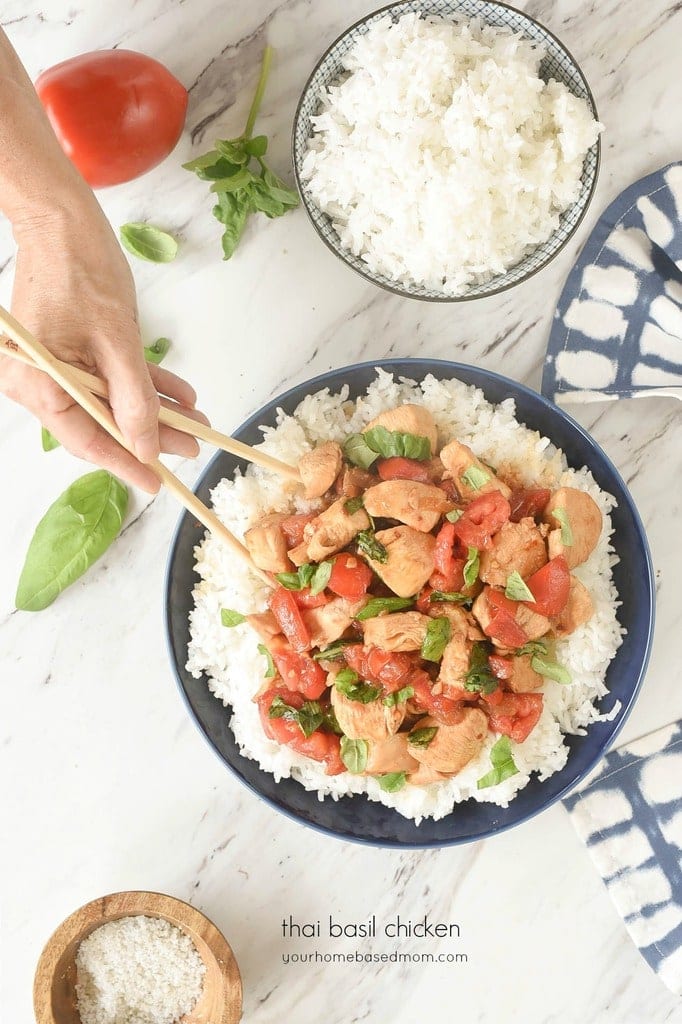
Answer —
(133, 398)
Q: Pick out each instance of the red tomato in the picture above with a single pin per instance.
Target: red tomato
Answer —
(452, 580)
(423, 602)
(528, 502)
(550, 586)
(319, 746)
(293, 526)
(481, 519)
(516, 714)
(116, 113)
(501, 668)
(446, 710)
(398, 468)
(387, 669)
(283, 606)
(502, 625)
(305, 599)
(350, 577)
(299, 671)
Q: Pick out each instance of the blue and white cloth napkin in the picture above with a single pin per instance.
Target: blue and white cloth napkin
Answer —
(617, 331)
(629, 813)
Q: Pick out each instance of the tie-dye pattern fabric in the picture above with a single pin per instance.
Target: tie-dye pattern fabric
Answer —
(617, 331)
(629, 813)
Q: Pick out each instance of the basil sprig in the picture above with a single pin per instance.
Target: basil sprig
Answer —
(349, 684)
(354, 754)
(353, 505)
(453, 596)
(475, 477)
(239, 190)
(309, 717)
(561, 516)
(533, 647)
(358, 452)
(271, 671)
(378, 442)
(550, 669)
(229, 617)
(479, 678)
(471, 567)
(149, 243)
(74, 532)
(436, 639)
(333, 652)
(502, 762)
(516, 589)
(370, 546)
(422, 737)
(392, 782)
(308, 575)
(376, 605)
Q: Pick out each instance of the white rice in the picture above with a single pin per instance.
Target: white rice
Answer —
(235, 669)
(441, 157)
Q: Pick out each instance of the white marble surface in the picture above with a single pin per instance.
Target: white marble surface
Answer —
(107, 785)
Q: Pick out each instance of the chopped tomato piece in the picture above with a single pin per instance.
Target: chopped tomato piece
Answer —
(502, 625)
(299, 671)
(452, 580)
(293, 527)
(481, 519)
(319, 746)
(306, 599)
(285, 609)
(446, 710)
(423, 602)
(350, 577)
(550, 586)
(388, 669)
(443, 554)
(501, 668)
(398, 468)
(516, 714)
(528, 502)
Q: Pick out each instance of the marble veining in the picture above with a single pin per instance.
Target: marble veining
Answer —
(107, 784)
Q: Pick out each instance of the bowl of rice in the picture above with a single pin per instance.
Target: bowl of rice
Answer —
(219, 670)
(446, 150)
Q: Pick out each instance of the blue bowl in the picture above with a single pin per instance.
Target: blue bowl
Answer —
(356, 818)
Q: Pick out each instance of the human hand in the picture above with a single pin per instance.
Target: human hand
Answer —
(74, 291)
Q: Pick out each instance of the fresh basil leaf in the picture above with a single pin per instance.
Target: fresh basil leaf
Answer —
(149, 243)
(399, 697)
(516, 589)
(436, 639)
(232, 210)
(357, 451)
(353, 505)
(263, 201)
(453, 596)
(393, 782)
(533, 647)
(333, 652)
(392, 444)
(354, 754)
(376, 605)
(257, 146)
(230, 618)
(280, 709)
(422, 737)
(74, 532)
(271, 671)
(550, 669)
(278, 189)
(310, 717)
(320, 577)
(454, 515)
(349, 684)
(240, 179)
(331, 721)
(475, 477)
(157, 351)
(479, 678)
(204, 162)
(233, 150)
(48, 440)
(370, 546)
(471, 566)
(502, 762)
(561, 515)
(298, 580)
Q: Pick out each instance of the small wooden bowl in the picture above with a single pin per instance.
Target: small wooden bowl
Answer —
(54, 987)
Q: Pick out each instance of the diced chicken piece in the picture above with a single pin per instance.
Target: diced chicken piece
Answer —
(517, 547)
(265, 624)
(425, 776)
(400, 631)
(409, 419)
(417, 505)
(328, 622)
(524, 677)
(352, 481)
(461, 621)
(320, 467)
(267, 544)
(455, 663)
(533, 625)
(410, 560)
(584, 519)
(390, 755)
(579, 609)
(328, 533)
(373, 722)
(457, 459)
(453, 746)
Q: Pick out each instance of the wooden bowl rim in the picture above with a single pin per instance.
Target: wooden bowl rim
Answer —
(75, 927)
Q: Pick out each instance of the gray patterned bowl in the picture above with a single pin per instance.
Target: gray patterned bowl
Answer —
(558, 64)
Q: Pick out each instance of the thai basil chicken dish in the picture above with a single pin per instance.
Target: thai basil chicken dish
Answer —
(417, 642)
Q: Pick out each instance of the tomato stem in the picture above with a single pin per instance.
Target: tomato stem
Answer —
(260, 89)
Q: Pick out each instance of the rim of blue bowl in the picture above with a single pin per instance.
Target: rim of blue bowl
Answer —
(402, 366)
(397, 289)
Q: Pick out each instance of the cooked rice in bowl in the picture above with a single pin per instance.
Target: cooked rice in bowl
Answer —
(235, 669)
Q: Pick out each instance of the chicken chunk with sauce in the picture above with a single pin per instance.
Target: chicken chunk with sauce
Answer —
(329, 532)
(390, 755)
(583, 518)
(416, 504)
(579, 609)
(319, 468)
(267, 545)
(516, 547)
(524, 678)
(454, 664)
(533, 624)
(452, 746)
(457, 459)
(400, 631)
(330, 621)
(408, 419)
(372, 722)
(410, 559)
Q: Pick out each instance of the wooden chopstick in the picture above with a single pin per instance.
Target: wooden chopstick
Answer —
(68, 379)
(172, 418)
